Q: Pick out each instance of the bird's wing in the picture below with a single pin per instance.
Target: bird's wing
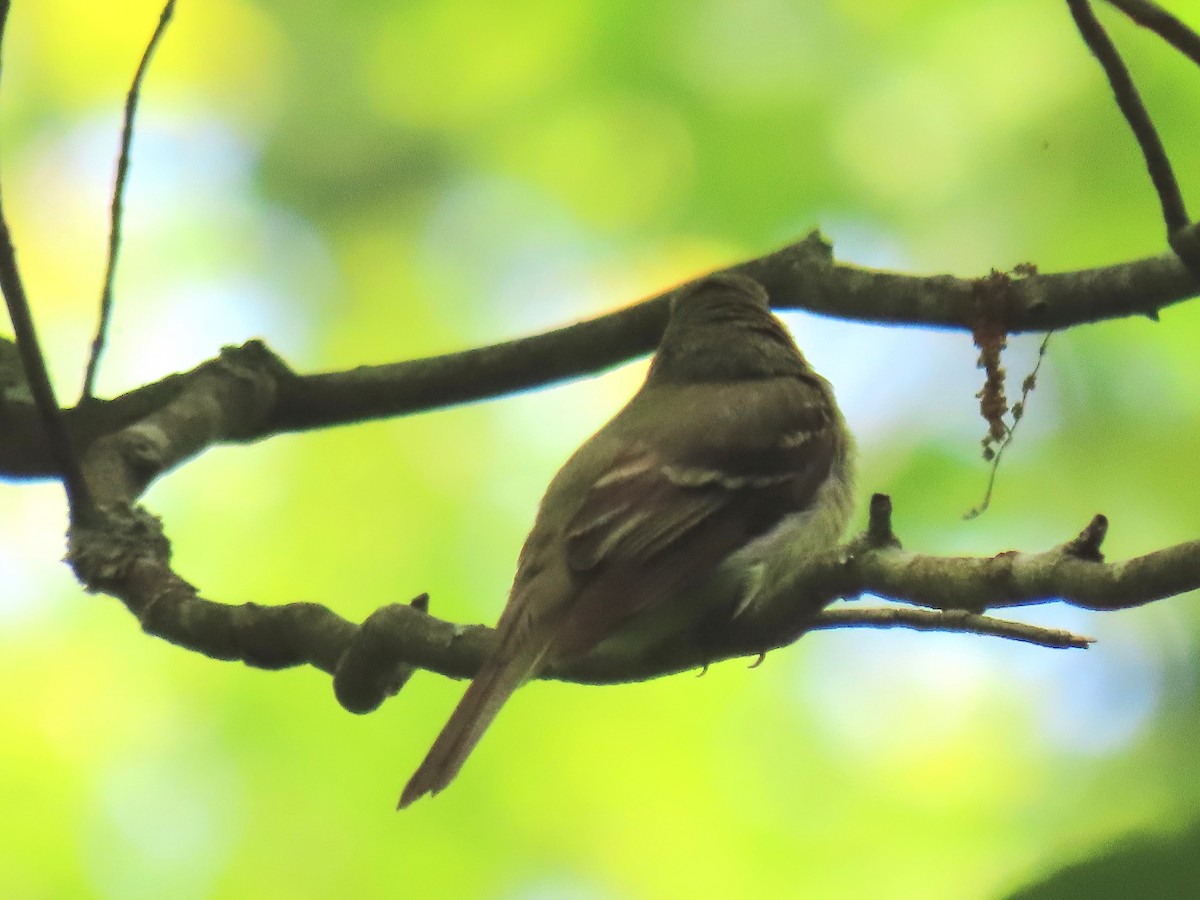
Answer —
(668, 508)
(748, 454)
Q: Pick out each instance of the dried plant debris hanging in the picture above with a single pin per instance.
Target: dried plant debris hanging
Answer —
(991, 337)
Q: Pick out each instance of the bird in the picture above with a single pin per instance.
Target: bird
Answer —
(697, 501)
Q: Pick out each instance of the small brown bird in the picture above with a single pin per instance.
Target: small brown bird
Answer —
(696, 502)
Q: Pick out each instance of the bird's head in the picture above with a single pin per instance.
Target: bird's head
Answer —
(721, 328)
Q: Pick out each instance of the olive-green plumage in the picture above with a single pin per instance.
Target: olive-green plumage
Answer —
(728, 466)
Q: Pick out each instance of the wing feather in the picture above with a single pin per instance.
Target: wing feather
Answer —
(660, 515)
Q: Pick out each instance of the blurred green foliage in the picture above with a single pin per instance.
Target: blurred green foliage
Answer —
(364, 182)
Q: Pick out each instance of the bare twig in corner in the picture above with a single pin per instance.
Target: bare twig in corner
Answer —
(32, 361)
(114, 234)
(1130, 102)
(1166, 26)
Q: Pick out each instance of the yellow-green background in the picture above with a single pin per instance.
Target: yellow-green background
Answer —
(369, 181)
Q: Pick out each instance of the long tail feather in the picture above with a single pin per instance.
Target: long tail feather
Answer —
(492, 687)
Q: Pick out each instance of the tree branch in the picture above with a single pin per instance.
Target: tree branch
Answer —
(950, 620)
(128, 556)
(58, 439)
(1156, 19)
(1182, 234)
(118, 199)
(801, 276)
(1130, 102)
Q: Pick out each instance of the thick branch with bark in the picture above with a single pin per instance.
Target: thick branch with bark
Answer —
(129, 557)
(803, 275)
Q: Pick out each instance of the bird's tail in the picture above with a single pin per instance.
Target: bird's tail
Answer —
(494, 684)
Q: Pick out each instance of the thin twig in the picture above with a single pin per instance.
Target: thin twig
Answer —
(953, 621)
(1166, 26)
(1130, 102)
(34, 363)
(118, 199)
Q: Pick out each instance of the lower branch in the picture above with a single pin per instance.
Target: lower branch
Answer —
(127, 556)
(951, 620)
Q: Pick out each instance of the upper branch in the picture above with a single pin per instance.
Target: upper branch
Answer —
(800, 276)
